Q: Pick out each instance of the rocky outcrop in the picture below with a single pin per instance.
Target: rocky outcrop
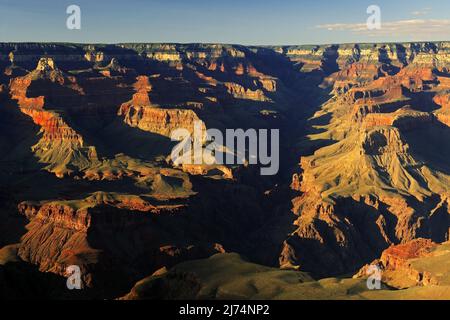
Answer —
(60, 146)
(411, 264)
(82, 233)
(239, 92)
(443, 114)
(159, 120)
(140, 113)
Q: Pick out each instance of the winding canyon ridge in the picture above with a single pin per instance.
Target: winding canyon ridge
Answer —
(87, 180)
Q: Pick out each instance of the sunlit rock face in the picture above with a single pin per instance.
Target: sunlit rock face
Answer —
(85, 156)
(379, 163)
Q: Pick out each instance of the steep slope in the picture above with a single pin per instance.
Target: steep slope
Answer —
(420, 262)
(373, 182)
(60, 148)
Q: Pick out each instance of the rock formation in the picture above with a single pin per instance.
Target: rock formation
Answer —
(88, 179)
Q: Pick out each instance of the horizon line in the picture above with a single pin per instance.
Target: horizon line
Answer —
(225, 43)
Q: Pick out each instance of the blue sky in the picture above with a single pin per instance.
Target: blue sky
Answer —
(227, 21)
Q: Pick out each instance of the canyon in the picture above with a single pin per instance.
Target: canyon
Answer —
(87, 179)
